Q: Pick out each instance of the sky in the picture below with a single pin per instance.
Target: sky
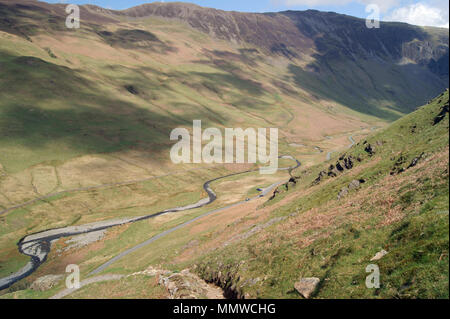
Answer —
(418, 12)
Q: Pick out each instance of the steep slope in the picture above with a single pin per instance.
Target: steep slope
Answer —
(395, 199)
(393, 215)
(340, 57)
(332, 35)
(258, 69)
(382, 72)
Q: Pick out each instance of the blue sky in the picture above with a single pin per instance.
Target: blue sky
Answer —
(420, 12)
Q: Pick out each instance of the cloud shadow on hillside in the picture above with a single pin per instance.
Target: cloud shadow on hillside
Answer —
(77, 113)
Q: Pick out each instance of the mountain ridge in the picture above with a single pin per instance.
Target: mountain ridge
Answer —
(335, 57)
(232, 25)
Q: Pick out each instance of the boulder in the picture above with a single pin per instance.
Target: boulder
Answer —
(46, 282)
(415, 161)
(344, 163)
(379, 255)
(319, 178)
(441, 115)
(275, 192)
(398, 166)
(369, 149)
(348, 162)
(342, 193)
(355, 184)
(332, 173)
(307, 286)
(186, 285)
(339, 167)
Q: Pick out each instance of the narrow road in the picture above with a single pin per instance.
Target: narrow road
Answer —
(350, 139)
(38, 245)
(169, 231)
(329, 155)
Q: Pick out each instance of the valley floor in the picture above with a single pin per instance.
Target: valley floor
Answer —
(230, 192)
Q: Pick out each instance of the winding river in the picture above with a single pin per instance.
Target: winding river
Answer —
(37, 246)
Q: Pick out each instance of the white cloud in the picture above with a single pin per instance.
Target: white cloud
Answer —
(421, 14)
(424, 13)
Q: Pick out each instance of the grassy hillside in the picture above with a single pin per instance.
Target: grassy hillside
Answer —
(120, 83)
(95, 107)
(85, 119)
(261, 250)
(402, 210)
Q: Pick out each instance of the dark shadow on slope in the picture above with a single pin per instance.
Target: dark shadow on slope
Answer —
(328, 85)
(135, 39)
(358, 67)
(338, 35)
(44, 105)
(282, 49)
(364, 85)
(232, 81)
(245, 56)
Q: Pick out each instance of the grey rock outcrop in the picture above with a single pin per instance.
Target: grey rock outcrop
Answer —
(186, 285)
(307, 287)
(379, 255)
(46, 282)
(355, 184)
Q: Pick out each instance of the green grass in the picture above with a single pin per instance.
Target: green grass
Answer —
(60, 103)
(130, 287)
(417, 263)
